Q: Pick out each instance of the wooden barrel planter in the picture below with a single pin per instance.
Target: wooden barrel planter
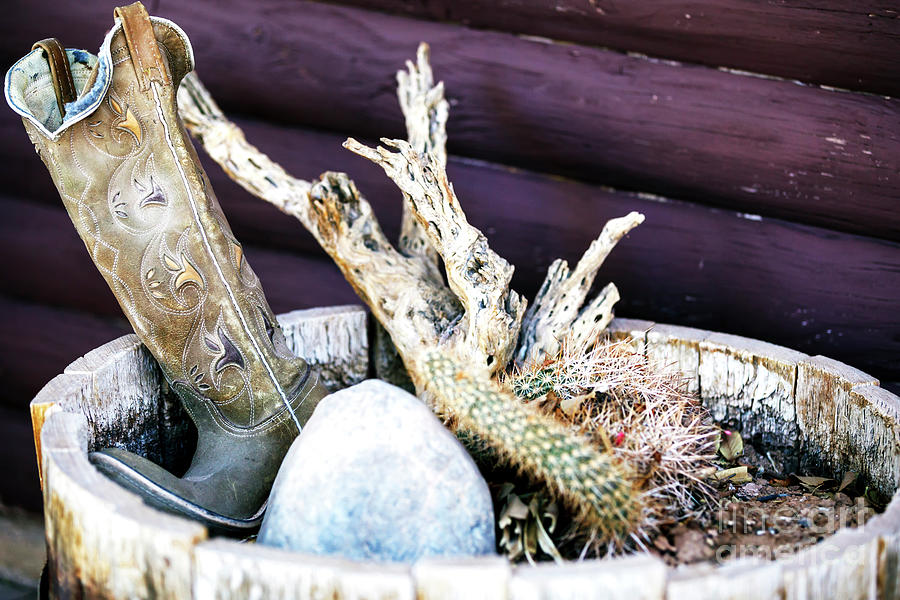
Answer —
(104, 542)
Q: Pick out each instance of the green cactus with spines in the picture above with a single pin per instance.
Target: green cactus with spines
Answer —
(530, 385)
(593, 484)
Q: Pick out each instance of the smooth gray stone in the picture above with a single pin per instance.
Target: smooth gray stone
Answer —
(376, 476)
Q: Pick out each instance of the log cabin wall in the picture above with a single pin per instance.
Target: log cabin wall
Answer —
(761, 140)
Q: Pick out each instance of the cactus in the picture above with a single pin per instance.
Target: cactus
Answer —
(580, 370)
(595, 485)
(536, 383)
(609, 392)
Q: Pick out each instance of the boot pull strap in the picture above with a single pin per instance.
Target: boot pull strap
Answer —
(142, 44)
(60, 72)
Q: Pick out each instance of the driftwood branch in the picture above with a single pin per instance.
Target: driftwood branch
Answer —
(243, 162)
(492, 313)
(558, 304)
(475, 318)
(425, 111)
(397, 288)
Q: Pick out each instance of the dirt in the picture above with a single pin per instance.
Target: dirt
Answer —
(770, 517)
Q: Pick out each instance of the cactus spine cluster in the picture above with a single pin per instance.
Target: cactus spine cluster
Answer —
(537, 383)
(594, 484)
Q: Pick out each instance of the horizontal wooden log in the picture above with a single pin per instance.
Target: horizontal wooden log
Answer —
(752, 144)
(50, 265)
(686, 264)
(19, 485)
(851, 45)
(671, 268)
(40, 341)
(50, 273)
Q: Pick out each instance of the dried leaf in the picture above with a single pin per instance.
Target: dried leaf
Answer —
(512, 544)
(551, 513)
(543, 538)
(813, 483)
(514, 509)
(705, 473)
(570, 405)
(731, 445)
(530, 540)
(506, 489)
(663, 544)
(847, 481)
(736, 475)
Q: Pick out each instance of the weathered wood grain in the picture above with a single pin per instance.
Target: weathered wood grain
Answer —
(640, 577)
(481, 578)
(751, 144)
(39, 412)
(334, 340)
(741, 580)
(678, 348)
(848, 423)
(824, 399)
(556, 310)
(749, 385)
(225, 570)
(873, 429)
(103, 542)
(631, 330)
(850, 45)
(121, 397)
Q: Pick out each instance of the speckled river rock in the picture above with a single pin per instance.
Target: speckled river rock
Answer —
(375, 476)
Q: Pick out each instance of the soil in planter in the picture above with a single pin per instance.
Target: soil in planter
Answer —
(768, 518)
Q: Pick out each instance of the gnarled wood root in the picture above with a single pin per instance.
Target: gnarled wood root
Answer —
(476, 318)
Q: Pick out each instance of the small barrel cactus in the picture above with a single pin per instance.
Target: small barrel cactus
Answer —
(594, 484)
(538, 382)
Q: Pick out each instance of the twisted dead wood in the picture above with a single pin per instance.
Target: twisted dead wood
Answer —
(475, 318)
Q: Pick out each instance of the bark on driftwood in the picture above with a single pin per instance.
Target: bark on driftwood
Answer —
(475, 318)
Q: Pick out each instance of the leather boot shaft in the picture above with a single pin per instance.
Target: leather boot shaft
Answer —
(133, 186)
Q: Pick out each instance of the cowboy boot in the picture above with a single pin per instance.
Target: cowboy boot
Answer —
(134, 188)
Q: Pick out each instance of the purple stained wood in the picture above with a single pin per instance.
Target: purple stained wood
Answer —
(36, 344)
(808, 288)
(769, 147)
(19, 485)
(48, 264)
(41, 340)
(852, 45)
